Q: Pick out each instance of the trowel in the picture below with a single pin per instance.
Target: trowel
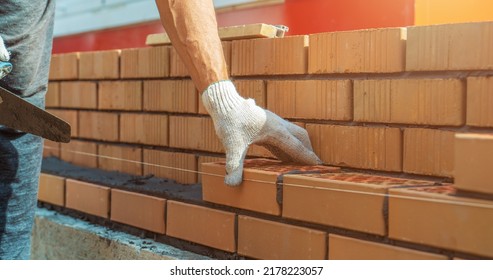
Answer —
(18, 114)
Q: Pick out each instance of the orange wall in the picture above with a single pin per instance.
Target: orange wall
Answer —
(448, 11)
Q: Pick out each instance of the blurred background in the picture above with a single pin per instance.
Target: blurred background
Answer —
(118, 24)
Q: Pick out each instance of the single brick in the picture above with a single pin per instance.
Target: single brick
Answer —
(206, 159)
(254, 89)
(346, 200)
(178, 68)
(463, 46)
(120, 95)
(480, 101)
(262, 239)
(346, 248)
(437, 217)
(311, 99)
(202, 225)
(69, 116)
(53, 95)
(428, 151)
(51, 149)
(360, 51)
(259, 190)
(357, 146)
(138, 210)
(194, 133)
(473, 162)
(64, 66)
(88, 198)
(178, 96)
(150, 62)
(124, 159)
(51, 189)
(271, 56)
(410, 101)
(99, 65)
(81, 95)
(180, 167)
(80, 153)
(98, 125)
(150, 129)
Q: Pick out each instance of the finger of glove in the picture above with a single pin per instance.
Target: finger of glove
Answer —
(293, 149)
(278, 153)
(4, 54)
(235, 155)
(300, 133)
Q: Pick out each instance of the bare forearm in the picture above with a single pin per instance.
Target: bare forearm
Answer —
(192, 28)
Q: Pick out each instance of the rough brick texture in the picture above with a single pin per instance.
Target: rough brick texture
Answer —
(126, 159)
(151, 129)
(269, 56)
(180, 167)
(360, 51)
(120, 95)
(98, 125)
(80, 95)
(64, 66)
(467, 46)
(410, 101)
(356, 146)
(480, 101)
(99, 65)
(170, 96)
(145, 62)
(311, 99)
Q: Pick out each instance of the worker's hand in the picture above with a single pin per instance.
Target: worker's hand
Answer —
(239, 123)
(5, 66)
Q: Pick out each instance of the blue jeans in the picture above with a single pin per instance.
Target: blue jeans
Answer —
(27, 28)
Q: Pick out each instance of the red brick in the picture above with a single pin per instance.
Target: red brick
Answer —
(53, 95)
(206, 159)
(258, 191)
(473, 162)
(360, 51)
(178, 96)
(80, 153)
(464, 46)
(346, 200)
(120, 95)
(254, 89)
(436, 217)
(480, 101)
(99, 65)
(428, 151)
(262, 239)
(271, 56)
(69, 116)
(138, 210)
(51, 189)
(410, 101)
(98, 125)
(180, 167)
(150, 62)
(78, 95)
(150, 129)
(202, 225)
(178, 68)
(194, 133)
(64, 66)
(51, 149)
(88, 198)
(124, 159)
(311, 99)
(357, 146)
(346, 248)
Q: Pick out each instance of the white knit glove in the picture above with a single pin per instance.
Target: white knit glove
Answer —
(5, 67)
(239, 122)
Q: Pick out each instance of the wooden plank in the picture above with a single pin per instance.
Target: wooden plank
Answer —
(250, 31)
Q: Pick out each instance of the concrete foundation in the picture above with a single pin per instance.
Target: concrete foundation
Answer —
(60, 237)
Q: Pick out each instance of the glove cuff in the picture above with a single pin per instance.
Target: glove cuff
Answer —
(221, 97)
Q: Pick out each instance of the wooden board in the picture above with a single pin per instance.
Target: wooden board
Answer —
(250, 31)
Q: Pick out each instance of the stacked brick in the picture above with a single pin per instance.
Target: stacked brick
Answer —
(406, 102)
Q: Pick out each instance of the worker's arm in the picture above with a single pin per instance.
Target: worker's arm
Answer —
(192, 28)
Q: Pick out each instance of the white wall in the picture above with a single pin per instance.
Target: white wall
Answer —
(77, 16)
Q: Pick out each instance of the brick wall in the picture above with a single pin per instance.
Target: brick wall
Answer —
(383, 105)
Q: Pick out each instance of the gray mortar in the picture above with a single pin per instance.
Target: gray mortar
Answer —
(60, 237)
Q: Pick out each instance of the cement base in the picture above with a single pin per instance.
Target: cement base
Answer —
(60, 237)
